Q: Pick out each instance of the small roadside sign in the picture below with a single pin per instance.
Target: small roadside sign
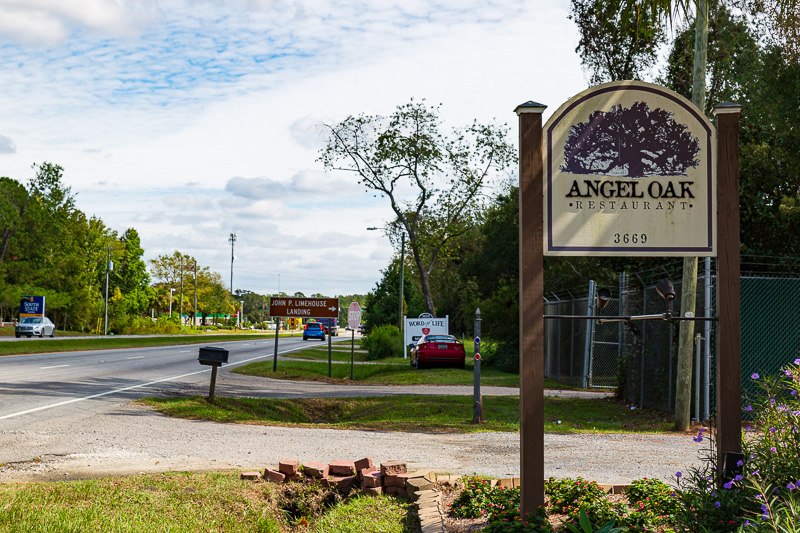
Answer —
(304, 307)
(31, 306)
(354, 315)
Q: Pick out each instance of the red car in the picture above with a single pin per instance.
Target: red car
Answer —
(438, 349)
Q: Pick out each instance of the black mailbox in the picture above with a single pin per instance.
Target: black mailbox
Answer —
(212, 356)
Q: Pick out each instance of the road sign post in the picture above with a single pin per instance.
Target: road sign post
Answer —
(353, 321)
(477, 403)
(295, 308)
(275, 355)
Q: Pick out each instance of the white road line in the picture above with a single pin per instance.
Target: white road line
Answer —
(98, 395)
(56, 366)
(185, 351)
(136, 357)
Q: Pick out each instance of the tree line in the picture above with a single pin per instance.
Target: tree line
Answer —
(473, 258)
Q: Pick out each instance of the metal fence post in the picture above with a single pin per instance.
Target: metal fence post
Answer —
(709, 308)
(644, 351)
(587, 349)
(698, 341)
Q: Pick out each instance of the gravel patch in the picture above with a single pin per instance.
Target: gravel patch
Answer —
(122, 438)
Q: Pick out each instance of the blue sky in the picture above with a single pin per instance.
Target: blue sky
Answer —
(189, 120)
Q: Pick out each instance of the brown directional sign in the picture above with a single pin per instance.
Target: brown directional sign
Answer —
(304, 307)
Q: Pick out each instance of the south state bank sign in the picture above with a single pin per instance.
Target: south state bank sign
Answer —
(629, 171)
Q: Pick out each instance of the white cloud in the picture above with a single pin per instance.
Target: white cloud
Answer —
(7, 145)
(47, 23)
(192, 119)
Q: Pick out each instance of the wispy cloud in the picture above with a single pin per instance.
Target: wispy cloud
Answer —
(189, 119)
(7, 145)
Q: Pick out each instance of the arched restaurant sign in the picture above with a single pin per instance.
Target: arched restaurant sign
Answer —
(629, 171)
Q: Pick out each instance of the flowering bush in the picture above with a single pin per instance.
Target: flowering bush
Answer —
(500, 506)
(509, 521)
(570, 496)
(762, 496)
(652, 504)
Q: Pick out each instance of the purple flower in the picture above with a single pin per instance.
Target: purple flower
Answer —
(717, 504)
(748, 408)
(791, 486)
(728, 485)
(797, 361)
(738, 476)
(772, 429)
(678, 474)
(787, 372)
(740, 463)
(754, 376)
(794, 392)
(746, 523)
(773, 449)
(699, 437)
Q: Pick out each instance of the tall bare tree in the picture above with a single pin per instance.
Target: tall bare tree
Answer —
(434, 182)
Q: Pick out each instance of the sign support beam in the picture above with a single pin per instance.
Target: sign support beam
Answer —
(531, 312)
(729, 373)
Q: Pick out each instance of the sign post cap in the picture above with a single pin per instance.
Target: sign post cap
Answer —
(530, 107)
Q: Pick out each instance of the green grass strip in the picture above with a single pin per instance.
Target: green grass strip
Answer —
(321, 354)
(377, 374)
(111, 343)
(175, 502)
(416, 413)
(367, 514)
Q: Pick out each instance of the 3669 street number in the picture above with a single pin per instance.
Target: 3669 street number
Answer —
(630, 238)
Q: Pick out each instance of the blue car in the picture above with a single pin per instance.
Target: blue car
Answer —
(314, 330)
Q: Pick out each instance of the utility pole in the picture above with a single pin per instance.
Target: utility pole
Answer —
(402, 271)
(108, 267)
(181, 311)
(194, 318)
(683, 382)
(232, 240)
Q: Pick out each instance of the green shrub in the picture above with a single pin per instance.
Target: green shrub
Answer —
(509, 521)
(571, 496)
(138, 325)
(502, 356)
(479, 499)
(383, 342)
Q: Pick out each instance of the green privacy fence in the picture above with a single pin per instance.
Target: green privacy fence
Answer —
(770, 326)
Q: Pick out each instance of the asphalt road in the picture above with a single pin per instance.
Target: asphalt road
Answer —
(70, 415)
(39, 386)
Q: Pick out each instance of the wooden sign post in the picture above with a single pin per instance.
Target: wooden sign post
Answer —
(729, 337)
(626, 169)
(531, 308)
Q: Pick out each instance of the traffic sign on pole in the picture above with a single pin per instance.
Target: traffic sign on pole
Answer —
(304, 307)
(354, 315)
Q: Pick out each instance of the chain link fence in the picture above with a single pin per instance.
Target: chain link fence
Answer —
(639, 358)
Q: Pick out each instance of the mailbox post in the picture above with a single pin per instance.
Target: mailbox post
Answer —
(213, 357)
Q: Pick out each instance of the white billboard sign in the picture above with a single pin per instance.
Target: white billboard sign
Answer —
(417, 327)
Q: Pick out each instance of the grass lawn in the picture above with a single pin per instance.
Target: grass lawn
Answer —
(338, 353)
(109, 343)
(179, 502)
(417, 413)
(377, 374)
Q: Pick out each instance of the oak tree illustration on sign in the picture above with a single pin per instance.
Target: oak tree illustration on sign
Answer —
(634, 142)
